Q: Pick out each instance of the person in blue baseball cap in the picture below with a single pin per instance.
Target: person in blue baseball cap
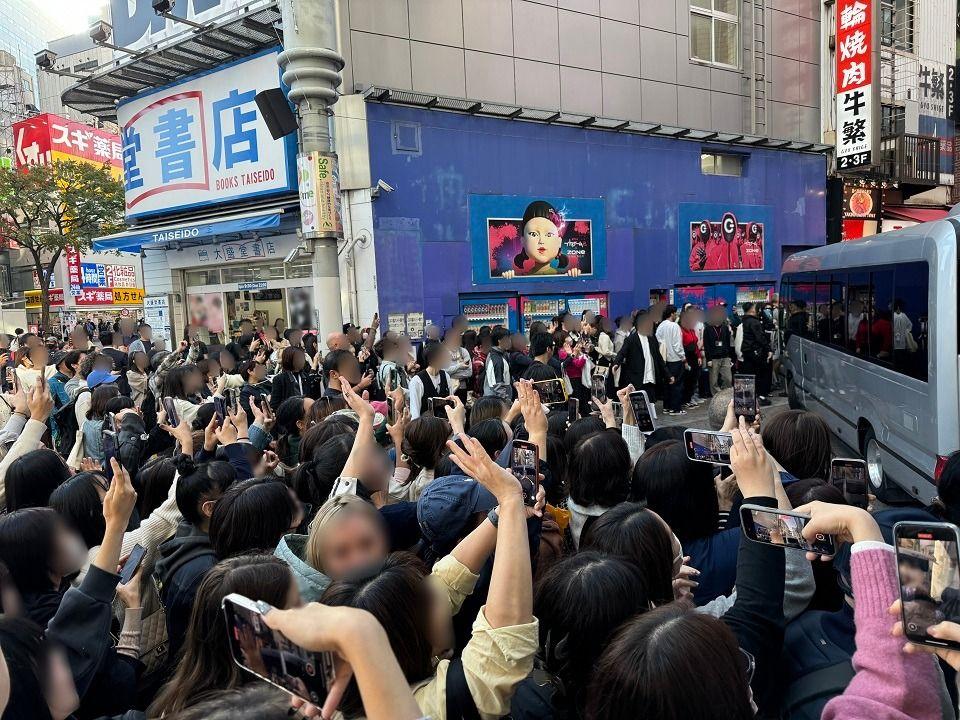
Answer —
(448, 509)
(100, 377)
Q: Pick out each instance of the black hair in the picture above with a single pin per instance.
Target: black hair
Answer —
(662, 434)
(580, 602)
(154, 480)
(101, 395)
(78, 503)
(173, 383)
(678, 489)
(540, 343)
(289, 413)
(313, 479)
(106, 339)
(747, 307)
(289, 355)
(598, 471)
(538, 372)
(324, 430)
(491, 434)
(332, 360)
(251, 515)
(579, 429)
(434, 351)
(199, 483)
(488, 406)
(70, 359)
(28, 547)
(118, 403)
(27, 657)
(809, 490)
(424, 441)
(668, 311)
(498, 334)
(32, 477)
(290, 331)
(541, 209)
(800, 441)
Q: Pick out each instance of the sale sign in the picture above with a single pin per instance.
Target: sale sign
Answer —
(857, 48)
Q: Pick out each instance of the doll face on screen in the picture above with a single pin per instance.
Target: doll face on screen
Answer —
(541, 240)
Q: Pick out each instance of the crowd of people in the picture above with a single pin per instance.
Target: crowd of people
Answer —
(358, 488)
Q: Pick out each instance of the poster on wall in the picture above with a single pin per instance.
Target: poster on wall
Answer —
(206, 310)
(536, 238)
(300, 304)
(720, 239)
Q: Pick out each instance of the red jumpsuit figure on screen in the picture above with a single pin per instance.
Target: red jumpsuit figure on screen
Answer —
(732, 236)
(752, 250)
(698, 250)
(717, 258)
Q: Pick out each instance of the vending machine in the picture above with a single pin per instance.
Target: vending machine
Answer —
(547, 307)
(754, 293)
(491, 310)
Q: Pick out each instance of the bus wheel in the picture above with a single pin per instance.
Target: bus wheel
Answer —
(793, 396)
(881, 485)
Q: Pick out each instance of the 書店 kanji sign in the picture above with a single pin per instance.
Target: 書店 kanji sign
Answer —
(203, 141)
(857, 50)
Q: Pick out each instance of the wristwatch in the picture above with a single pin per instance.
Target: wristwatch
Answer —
(493, 516)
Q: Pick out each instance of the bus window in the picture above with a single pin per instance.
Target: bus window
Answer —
(837, 324)
(858, 302)
(881, 315)
(910, 342)
(819, 325)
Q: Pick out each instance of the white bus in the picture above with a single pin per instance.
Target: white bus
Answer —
(870, 345)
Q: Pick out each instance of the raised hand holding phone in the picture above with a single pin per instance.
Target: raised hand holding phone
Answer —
(845, 523)
(750, 463)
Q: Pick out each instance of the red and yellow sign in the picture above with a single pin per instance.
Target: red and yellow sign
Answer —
(110, 296)
(45, 138)
(32, 298)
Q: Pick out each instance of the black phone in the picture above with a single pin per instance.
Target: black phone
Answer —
(173, 418)
(642, 414)
(745, 396)
(220, 407)
(551, 392)
(708, 446)
(11, 375)
(269, 655)
(573, 409)
(133, 563)
(525, 466)
(617, 413)
(391, 411)
(927, 569)
(782, 528)
(233, 399)
(850, 476)
(598, 388)
(108, 443)
(438, 406)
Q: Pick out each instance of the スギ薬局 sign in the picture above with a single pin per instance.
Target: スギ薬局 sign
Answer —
(203, 141)
(857, 49)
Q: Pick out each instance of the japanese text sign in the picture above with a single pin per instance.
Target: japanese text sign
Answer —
(74, 271)
(203, 141)
(856, 50)
(108, 296)
(42, 139)
(318, 178)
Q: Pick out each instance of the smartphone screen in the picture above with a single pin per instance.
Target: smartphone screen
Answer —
(132, 564)
(438, 406)
(850, 476)
(11, 374)
(391, 414)
(784, 529)
(173, 419)
(641, 411)
(598, 388)
(233, 399)
(220, 407)
(551, 392)
(617, 413)
(573, 409)
(708, 446)
(269, 655)
(524, 464)
(745, 396)
(927, 568)
(108, 442)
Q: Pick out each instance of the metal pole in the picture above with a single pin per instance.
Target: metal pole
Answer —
(311, 69)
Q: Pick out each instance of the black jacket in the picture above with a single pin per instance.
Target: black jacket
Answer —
(135, 445)
(285, 386)
(519, 362)
(250, 392)
(756, 343)
(717, 341)
(632, 363)
(184, 561)
(797, 324)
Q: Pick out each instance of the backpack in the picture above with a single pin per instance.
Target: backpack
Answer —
(807, 696)
(67, 427)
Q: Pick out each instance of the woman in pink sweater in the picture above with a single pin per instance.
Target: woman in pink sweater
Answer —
(890, 684)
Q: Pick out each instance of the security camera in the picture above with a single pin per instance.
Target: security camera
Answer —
(100, 32)
(161, 7)
(45, 59)
(385, 186)
(292, 255)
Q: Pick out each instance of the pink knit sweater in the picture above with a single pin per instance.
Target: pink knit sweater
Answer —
(889, 684)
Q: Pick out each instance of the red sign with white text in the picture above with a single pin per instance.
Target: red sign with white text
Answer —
(855, 43)
(41, 139)
(74, 274)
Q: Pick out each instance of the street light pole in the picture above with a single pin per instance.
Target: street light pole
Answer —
(311, 69)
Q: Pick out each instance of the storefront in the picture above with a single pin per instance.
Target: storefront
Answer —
(509, 222)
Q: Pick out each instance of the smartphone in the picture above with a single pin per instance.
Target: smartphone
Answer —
(344, 486)
(782, 528)
(850, 476)
(551, 392)
(220, 407)
(598, 388)
(269, 655)
(525, 466)
(927, 567)
(11, 375)
(617, 413)
(173, 419)
(438, 406)
(745, 396)
(640, 403)
(573, 409)
(708, 446)
(133, 563)
(391, 411)
(233, 399)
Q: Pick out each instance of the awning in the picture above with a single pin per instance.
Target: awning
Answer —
(916, 214)
(189, 232)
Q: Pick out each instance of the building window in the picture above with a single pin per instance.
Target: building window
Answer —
(712, 163)
(896, 24)
(715, 32)
(892, 120)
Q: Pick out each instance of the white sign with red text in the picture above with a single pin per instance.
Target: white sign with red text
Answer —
(856, 46)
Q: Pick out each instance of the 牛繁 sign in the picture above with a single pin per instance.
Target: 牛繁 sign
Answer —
(203, 141)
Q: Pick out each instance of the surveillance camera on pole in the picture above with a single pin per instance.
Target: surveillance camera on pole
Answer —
(45, 59)
(100, 32)
(162, 7)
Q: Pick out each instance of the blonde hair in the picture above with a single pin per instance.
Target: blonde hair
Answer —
(331, 509)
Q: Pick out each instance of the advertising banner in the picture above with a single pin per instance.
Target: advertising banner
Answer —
(522, 238)
(858, 107)
(108, 296)
(32, 298)
(319, 185)
(42, 139)
(721, 239)
(203, 141)
(137, 25)
(206, 310)
(74, 272)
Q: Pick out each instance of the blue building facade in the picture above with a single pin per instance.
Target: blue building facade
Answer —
(446, 237)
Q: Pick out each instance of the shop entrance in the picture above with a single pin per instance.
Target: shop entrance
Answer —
(261, 306)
